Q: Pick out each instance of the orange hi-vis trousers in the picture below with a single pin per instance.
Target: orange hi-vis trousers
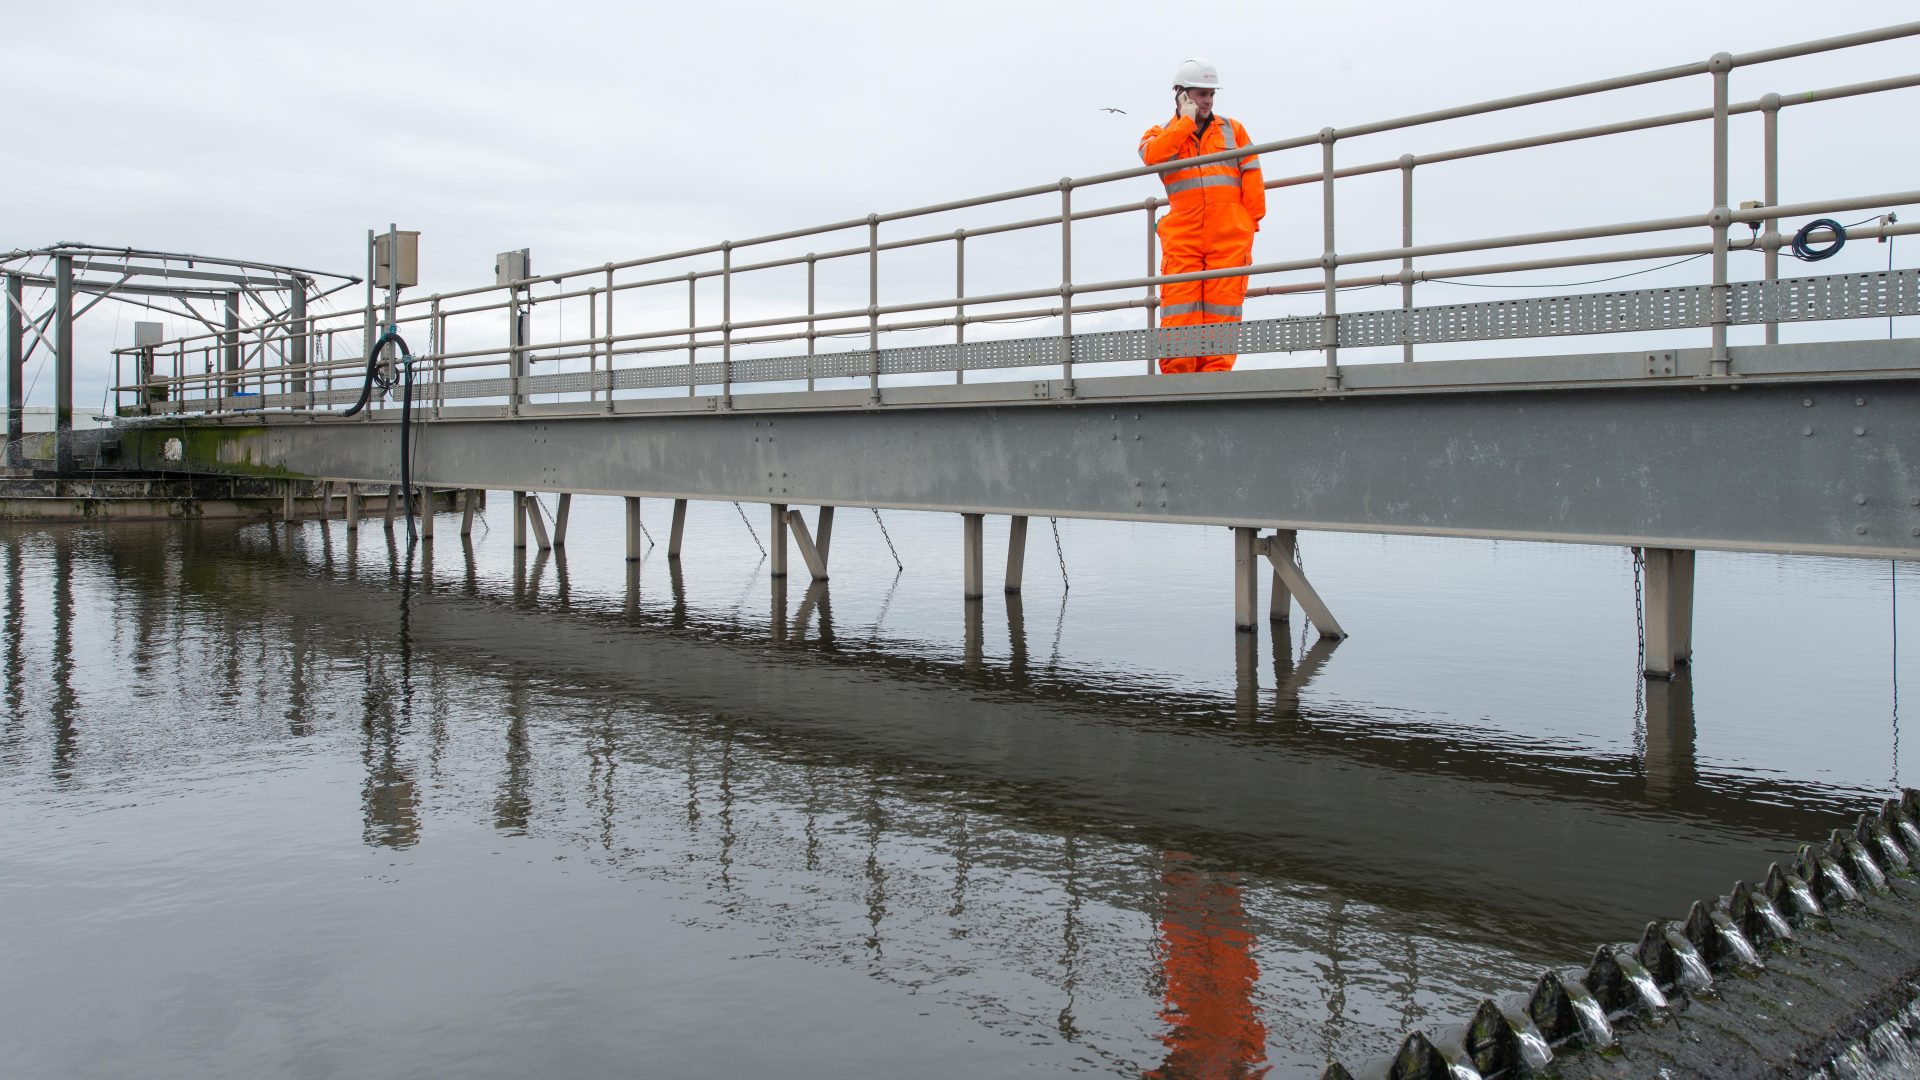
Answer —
(1214, 300)
(1213, 212)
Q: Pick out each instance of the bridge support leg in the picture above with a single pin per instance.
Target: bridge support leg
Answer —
(633, 529)
(326, 501)
(519, 520)
(1284, 540)
(353, 507)
(679, 530)
(1016, 552)
(777, 543)
(1246, 580)
(538, 522)
(426, 513)
(973, 530)
(1317, 611)
(1669, 610)
(286, 501)
(466, 511)
(815, 558)
(560, 519)
(393, 504)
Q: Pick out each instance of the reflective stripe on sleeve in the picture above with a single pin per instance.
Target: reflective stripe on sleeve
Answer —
(1250, 164)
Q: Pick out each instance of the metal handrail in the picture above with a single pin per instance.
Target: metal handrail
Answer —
(435, 311)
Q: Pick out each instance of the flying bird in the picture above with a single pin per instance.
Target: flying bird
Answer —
(1104, 108)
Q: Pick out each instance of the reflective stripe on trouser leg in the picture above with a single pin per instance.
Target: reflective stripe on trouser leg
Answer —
(1179, 306)
(1222, 299)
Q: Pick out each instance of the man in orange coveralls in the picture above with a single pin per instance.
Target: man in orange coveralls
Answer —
(1214, 210)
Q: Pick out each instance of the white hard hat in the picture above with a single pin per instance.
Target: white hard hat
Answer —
(1197, 73)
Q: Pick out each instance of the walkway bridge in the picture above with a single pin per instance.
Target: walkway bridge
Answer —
(699, 374)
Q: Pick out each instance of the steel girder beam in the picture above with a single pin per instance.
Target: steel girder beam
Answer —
(1823, 466)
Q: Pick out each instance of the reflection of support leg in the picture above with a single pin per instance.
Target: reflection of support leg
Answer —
(1246, 580)
(679, 530)
(1670, 759)
(633, 588)
(976, 631)
(1669, 609)
(1246, 676)
(1016, 635)
(815, 559)
(777, 616)
(1282, 609)
(1317, 611)
(973, 528)
(560, 519)
(633, 528)
(1016, 552)
(777, 540)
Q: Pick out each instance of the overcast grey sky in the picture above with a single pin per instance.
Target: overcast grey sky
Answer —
(596, 132)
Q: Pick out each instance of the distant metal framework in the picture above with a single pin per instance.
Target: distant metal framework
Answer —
(176, 284)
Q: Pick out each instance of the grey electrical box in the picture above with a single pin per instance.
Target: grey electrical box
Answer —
(407, 262)
(512, 266)
(149, 333)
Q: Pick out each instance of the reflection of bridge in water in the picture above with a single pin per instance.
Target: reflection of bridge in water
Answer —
(918, 789)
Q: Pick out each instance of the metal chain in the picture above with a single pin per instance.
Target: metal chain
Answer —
(1300, 561)
(898, 565)
(751, 531)
(1060, 553)
(1639, 559)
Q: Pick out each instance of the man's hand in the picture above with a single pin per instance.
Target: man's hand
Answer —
(1186, 106)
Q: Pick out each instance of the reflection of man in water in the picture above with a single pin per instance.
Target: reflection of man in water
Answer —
(1213, 1029)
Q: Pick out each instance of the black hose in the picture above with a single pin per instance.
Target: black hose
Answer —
(1803, 248)
(373, 368)
(406, 439)
(406, 414)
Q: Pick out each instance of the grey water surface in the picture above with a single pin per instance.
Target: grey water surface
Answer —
(275, 801)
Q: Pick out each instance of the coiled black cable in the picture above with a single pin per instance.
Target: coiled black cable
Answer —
(1803, 248)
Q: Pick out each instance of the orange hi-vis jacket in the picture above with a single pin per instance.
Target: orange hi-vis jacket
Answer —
(1213, 212)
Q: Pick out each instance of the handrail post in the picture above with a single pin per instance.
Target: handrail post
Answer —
(436, 346)
(873, 308)
(726, 324)
(693, 320)
(1066, 285)
(1153, 296)
(516, 342)
(1722, 217)
(610, 338)
(1770, 229)
(593, 342)
(1329, 262)
(960, 309)
(1406, 264)
(812, 334)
